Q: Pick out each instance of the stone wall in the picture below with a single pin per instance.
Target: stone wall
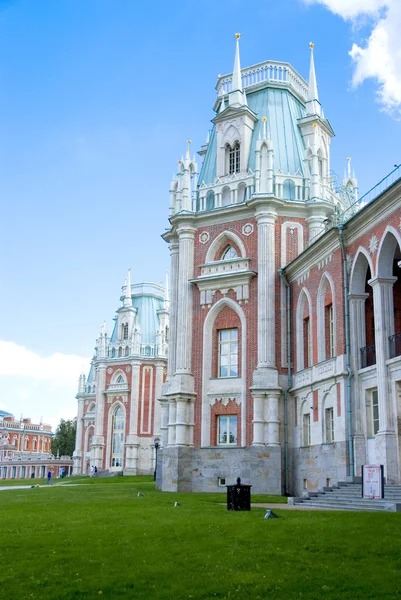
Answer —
(317, 464)
(183, 469)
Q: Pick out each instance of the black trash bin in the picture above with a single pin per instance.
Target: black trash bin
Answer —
(238, 496)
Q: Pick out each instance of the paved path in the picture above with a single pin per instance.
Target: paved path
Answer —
(290, 507)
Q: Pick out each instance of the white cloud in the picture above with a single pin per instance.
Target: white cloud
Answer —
(379, 57)
(38, 386)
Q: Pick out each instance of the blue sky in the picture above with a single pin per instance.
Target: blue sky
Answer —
(97, 100)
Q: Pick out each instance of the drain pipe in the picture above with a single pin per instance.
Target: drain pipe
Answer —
(289, 380)
(347, 354)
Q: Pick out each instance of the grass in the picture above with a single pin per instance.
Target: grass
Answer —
(102, 540)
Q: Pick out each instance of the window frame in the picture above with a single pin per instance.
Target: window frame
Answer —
(117, 438)
(224, 343)
(329, 425)
(306, 429)
(229, 428)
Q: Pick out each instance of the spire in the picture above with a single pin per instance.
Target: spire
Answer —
(127, 297)
(237, 96)
(312, 104)
(349, 167)
(188, 156)
(237, 81)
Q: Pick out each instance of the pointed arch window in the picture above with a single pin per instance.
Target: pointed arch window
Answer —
(117, 427)
(229, 253)
(125, 331)
(234, 158)
(120, 379)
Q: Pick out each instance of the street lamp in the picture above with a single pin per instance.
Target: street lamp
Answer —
(156, 443)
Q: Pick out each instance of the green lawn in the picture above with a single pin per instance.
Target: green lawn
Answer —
(102, 540)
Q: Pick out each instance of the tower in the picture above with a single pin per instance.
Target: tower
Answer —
(263, 192)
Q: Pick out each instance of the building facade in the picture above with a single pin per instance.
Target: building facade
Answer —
(25, 449)
(285, 328)
(118, 411)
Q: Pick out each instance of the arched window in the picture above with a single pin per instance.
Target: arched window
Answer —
(89, 389)
(120, 351)
(229, 253)
(34, 443)
(126, 351)
(125, 331)
(120, 379)
(234, 158)
(117, 428)
(210, 200)
(289, 190)
(26, 443)
(113, 353)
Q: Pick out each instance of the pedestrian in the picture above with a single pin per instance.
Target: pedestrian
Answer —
(91, 471)
(95, 470)
(49, 478)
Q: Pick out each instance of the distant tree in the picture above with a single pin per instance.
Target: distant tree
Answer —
(64, 440)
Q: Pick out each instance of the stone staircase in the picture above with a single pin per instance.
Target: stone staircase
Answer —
(347, 496)
(105, 473)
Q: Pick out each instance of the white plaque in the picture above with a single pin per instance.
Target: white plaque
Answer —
(372, 481)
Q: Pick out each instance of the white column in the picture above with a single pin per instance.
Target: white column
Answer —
(314, 184)
(172, 408)
(386, 438)
(164, 422)
(273, 422)
(257, 171)
(77, 456)
(270, 179)
(174, 247)
(181, 422)
(258, 419)
(184, 315)
(316, 224)
(266, 288)
(98, 438)
(384, 327)
(358, 341)
(132, 443)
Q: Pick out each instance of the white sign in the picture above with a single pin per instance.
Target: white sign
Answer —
(372, 482)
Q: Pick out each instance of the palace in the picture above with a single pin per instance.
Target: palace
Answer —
(25, 449)
(118, 412)
(284, 364)
(284, 329)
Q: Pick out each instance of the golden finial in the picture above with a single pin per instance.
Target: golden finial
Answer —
(349, 159)
(264, 119)
(179, 162)
(314, 125)
(189, 141)
(311, 45)
(237, 36)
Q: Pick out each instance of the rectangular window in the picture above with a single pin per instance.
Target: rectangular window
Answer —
(227, 430)
(228, 353)
(329, 417)
(306, 430)
(307, 343)
(375, 412)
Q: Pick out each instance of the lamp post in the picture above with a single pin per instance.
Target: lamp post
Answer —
(156, 443)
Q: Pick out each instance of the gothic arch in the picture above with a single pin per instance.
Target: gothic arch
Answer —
(207, 366)
(304, 296)
(116, 375)
(326, 280)
(226, 236)
(387, 249)
(362, 262)
(113, 409)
